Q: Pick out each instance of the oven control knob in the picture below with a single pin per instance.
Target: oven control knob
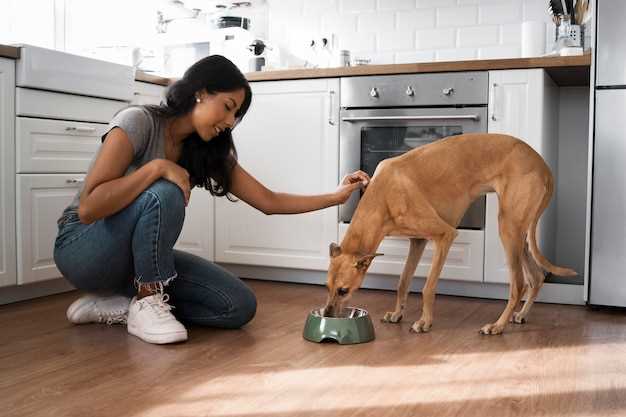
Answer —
(447, 91)
(409, 91)
(374, 92)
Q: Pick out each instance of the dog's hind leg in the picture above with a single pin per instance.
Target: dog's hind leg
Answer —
(534, 277)
(416, 249)
(443, 242)
(513, 241)
(517, 205)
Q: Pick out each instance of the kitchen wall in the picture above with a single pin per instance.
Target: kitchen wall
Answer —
(401, 31)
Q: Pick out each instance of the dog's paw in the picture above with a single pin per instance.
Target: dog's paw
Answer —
(421, 326)
(518, 318)
(491, 328)
(391, 317)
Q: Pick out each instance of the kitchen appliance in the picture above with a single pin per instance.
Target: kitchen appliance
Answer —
(386, 116)
(607, 285)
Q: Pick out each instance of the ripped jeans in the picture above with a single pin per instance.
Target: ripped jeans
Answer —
(135, 246)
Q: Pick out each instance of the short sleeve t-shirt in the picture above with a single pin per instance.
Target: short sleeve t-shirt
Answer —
(146, 134)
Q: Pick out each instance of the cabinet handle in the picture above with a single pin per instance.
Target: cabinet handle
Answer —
(331, 94)
(75, 180)
(493, 101)
(80, 129)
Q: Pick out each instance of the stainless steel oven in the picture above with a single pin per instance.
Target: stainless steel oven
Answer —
(386, 116)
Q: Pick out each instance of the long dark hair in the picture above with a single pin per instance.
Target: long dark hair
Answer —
(209, 164)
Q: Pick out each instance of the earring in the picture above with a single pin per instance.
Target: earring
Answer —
(198, 100)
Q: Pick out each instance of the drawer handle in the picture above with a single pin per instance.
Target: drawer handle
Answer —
(75, 180)
(80, 129)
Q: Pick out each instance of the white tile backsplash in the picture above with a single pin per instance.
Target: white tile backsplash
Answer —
(401, 31)
(499, 13)
(478, 36)
(396, 4)
(377, 22)
(457, 16)
(396, 41)
(355, 5)
(416, 19)
(436, 38)
(456, 54)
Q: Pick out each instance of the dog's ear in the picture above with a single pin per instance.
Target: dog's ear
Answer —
(334, 250)
(364, 261)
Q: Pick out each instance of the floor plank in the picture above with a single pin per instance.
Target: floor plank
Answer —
(567, 361)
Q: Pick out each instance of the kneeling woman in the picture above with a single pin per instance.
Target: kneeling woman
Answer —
(116, 238)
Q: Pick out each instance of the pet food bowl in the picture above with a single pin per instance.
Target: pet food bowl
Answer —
(354, 326)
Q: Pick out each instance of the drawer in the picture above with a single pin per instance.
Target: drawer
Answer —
(464, 261)
(41, 199)
(146, 93)
(55, 145)
(53, 70)
(49, 105)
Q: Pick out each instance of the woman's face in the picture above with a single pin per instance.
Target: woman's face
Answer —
(215, 112)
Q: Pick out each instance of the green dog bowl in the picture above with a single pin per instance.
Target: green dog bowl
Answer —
(354, 326)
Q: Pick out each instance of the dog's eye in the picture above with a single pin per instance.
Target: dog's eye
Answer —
(342, 291)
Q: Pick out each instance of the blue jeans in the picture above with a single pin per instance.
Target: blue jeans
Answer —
(136, 245)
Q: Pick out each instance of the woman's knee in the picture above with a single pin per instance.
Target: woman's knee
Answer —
(245, 305)
(168, 195)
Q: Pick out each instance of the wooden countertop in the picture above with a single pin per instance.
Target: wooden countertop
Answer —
(7, 51)
(566, 71)
(152, 79)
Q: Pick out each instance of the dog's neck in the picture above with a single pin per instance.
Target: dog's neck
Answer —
(367, 227)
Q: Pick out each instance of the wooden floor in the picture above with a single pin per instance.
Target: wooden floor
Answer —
(567, 361)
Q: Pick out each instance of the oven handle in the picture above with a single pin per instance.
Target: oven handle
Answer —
(368, 118)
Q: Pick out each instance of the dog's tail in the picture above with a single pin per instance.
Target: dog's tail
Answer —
(531, 237)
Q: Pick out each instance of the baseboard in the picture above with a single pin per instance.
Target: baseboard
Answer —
(550, 293)
(39, 289)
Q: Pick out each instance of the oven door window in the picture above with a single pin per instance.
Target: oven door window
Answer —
(378, 143)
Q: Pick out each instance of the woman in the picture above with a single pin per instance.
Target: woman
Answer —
(117, 236)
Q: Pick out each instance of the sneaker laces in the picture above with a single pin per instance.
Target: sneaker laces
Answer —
(112, 317)
(158, 303)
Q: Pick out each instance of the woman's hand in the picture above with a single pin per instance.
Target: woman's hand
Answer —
(173, 172)
(349, 183)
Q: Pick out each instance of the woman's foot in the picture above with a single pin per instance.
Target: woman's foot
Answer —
(151, 320)
(97, 309)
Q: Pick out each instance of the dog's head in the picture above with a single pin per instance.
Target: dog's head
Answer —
(345, 275)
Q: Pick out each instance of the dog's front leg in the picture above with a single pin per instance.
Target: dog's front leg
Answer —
(416, 248)
(442, 246)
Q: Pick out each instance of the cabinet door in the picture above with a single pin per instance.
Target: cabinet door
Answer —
(289, 142)
(147, 93)
(522, 103)
(55, 145)
(463, 263)
(41, 199)
(197, 236)
(7, 173)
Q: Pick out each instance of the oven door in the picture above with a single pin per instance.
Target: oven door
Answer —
(367, 136)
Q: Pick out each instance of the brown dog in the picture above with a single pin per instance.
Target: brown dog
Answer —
(424, 193)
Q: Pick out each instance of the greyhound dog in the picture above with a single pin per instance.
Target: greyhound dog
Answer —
(423, 195)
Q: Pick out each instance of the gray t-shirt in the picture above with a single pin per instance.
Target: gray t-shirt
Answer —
(146, 134)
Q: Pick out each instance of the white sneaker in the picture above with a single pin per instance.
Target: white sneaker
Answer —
(150, 319)
(97, 309)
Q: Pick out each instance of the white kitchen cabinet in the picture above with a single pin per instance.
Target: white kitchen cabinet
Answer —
(147, 93)
(197, 236)
(463, 263)
(44, 145)
(7, 173)
(524, 104)
(41, 199)
(289, 142)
